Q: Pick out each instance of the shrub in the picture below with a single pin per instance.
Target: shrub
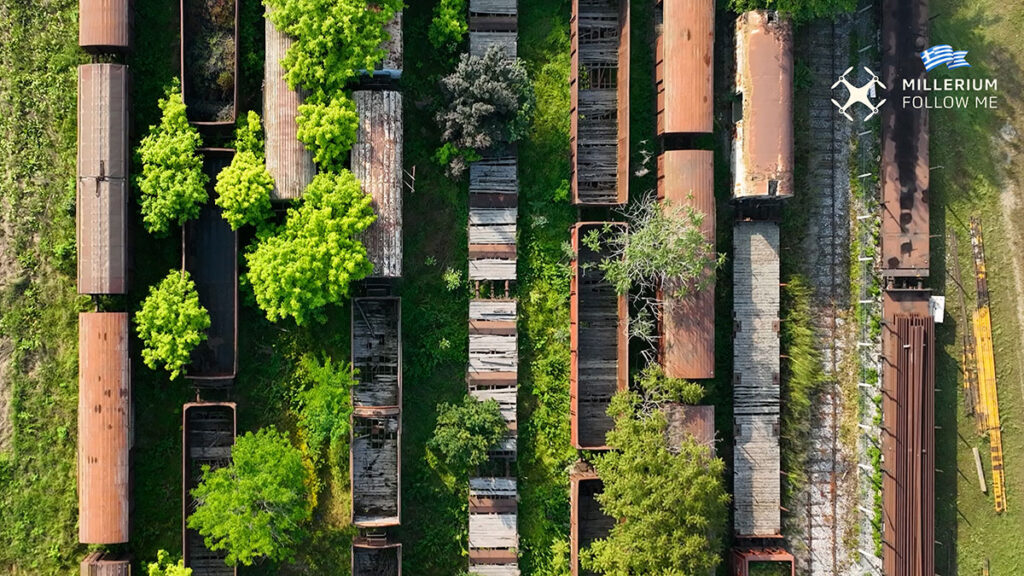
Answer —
(328, 129)
(449, 25)
(323, 401)
(256, 507)
(310, 262)
(171, 323)
(243, 191)
(172, 185)
(164, 566)
(465, 432)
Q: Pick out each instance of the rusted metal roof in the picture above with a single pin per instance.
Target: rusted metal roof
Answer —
(103, 564)
(599, 102)
(102, 184)
(288, 160)
(684, 52)
(687, 345)
(105, 24)
(208, 433)
(587, 522)
(599, 343)
(376, 161)
(905, 172)
(209, 252)
(763, 140)
(696, 422)
(209, 62)
(104, 428)
(376, 557)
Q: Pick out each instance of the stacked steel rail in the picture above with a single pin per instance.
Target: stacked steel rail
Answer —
(375, 448)
(908, 340)
(762, 164)
(492, 372)
(208, 433)
(988, 397)
(105, 426)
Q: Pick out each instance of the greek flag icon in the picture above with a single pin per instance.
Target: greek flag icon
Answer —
(944, 54)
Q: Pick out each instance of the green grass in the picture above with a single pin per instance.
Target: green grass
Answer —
(975, 183)
(38, 300)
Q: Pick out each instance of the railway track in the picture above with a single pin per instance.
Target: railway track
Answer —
(827, 268)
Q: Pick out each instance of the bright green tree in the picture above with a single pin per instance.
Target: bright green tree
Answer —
(172, 185)
(323, 401)
(165, 566)
(672, 503)
(243, 188)
(257, 507)
(171, 323)
(310, 261)
(328, 129)
(449, 24)
(465, 432)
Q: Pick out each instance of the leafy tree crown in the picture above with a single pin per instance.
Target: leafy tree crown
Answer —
(171, 323)
(465, 432)
(166, 566)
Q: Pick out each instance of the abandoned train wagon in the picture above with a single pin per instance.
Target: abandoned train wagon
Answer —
(685, 29)
(375, 467)
(102, 183)
(105, 25)
(762, 151)
(288, 160)
(209, 60)
(208, 433)
(587, 522)
(376, 160)
(104, 428)
(493, 23)
(209, 252)
(905, 170)
(377, 352)
(687, 343)
(104, 564)
(376, 557)
(599, 343)
(599, 102)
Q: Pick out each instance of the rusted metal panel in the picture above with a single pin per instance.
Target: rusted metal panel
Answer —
(908, 433)
(288, 160)
(598, 340)
(743, 557)
(763, 140)
(376, 557)
(696, 422)
(209, 61)
(376, 160)
(687, 345)
(375, 468)
(599, 100)
(103, 564)
(905, 171)
(104, 428)
(209, 251)
(587, 522)
(102, 183)
(105, 24)
(208, 433)
(684, 48)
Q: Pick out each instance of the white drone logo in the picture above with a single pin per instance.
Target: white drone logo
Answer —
(862, 94)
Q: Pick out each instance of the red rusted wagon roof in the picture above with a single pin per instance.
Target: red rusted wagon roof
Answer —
(684, 52)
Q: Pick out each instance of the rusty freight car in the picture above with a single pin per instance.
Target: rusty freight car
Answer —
(104, 428)
(375, 467)
(104, 564)
(288, 160)
(905, 172)
(208, 433)
(377, 352)
(687, 327)
(684, 29)
(209, 60)
(587, 522)
(105, 25)
(376, 557)
(762, 154)
(102, 184)
(599, 101)
(376, 160)
(209, 250)
(599, 343)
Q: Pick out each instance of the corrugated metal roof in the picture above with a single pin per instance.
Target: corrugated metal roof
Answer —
(104, 427)
(105, 24)
(763, 148)
(376, 161)
(697, 422)
(102, 188)
(686, 179)
(684, 56)
(288, 161)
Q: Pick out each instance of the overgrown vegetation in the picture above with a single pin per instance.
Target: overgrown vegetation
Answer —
(243, 188)
(166, 566)
(172, 184)
(466, 432)
(449, 26)
(799, 10)
(258, 506)
(171, 323)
